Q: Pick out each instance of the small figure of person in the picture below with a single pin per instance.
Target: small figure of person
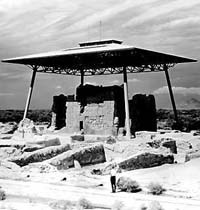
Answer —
(113, 173)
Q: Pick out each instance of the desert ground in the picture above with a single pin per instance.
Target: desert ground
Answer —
(41, 185)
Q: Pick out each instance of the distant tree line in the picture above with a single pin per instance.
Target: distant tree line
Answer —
(190, 119)
(17, 115)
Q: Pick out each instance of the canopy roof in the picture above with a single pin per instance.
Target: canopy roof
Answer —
(100, 57)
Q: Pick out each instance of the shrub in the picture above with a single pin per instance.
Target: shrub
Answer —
(143, 207)
(2, 194)
(155, 205)
(128, 185)
(64, 205)
(118, 205)
(155, 188)
(83, 203)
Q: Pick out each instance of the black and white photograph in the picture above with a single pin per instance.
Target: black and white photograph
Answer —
(99, 105)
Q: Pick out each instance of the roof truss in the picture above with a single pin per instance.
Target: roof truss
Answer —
(102, 71)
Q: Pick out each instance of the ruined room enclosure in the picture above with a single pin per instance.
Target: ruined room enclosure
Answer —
(101, 110)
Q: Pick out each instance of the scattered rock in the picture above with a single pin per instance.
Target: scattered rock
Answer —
(64, 179)
(110, 140)
(164, 142)
(2, 194)
(183, 146)
(171, 144)
(85, 156)
(77, 138)
(45, 141)
(77, 164)
(39, 168)
(8, 128)
(32, 148)
(7, 152)
(26, 126)
(155, 143)
(40, 155)
(195, 133)
(192, 155)
(96, 172)
(121, 132)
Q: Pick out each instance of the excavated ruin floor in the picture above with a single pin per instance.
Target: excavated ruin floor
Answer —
(28, 188)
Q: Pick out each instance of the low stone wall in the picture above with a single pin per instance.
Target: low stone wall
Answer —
(85, 156)
(145, 160)
(192, 155)
(40, 155)
(141, 160)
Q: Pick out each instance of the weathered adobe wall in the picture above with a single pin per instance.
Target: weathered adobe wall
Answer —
(143, 113)
(90, 94)
(99, 106)
(100, 110)
(59, 111)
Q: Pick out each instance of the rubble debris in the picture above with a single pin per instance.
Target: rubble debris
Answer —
(145, 160)
(32, 148)
(26, 129)
(195, 132)
(64, 179)
(85, 156)
(96, 172)
(9, 151)
(183, 146)
(39, 168)
(44, 141)
(2, 194)
(40, 155)
(192, 155)
(77, 164)
(110, 140)
(8, 128)
(77, 137)
(141, 160)
(171, 144)
(164, 142)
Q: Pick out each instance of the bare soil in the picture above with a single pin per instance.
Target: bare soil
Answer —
(28, 188)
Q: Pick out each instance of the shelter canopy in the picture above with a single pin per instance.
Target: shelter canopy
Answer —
(97, 58)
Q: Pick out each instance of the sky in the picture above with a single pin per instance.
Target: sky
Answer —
(34, 26)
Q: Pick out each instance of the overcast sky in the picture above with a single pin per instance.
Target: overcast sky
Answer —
(33, 26)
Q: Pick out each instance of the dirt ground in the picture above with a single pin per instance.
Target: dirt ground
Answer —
(28, 188)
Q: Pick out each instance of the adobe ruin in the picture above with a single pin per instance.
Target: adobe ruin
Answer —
(100, 110)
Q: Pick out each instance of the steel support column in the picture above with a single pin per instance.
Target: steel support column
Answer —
(127, 120)
(171, 93)
(82, 77)
(28, 100)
